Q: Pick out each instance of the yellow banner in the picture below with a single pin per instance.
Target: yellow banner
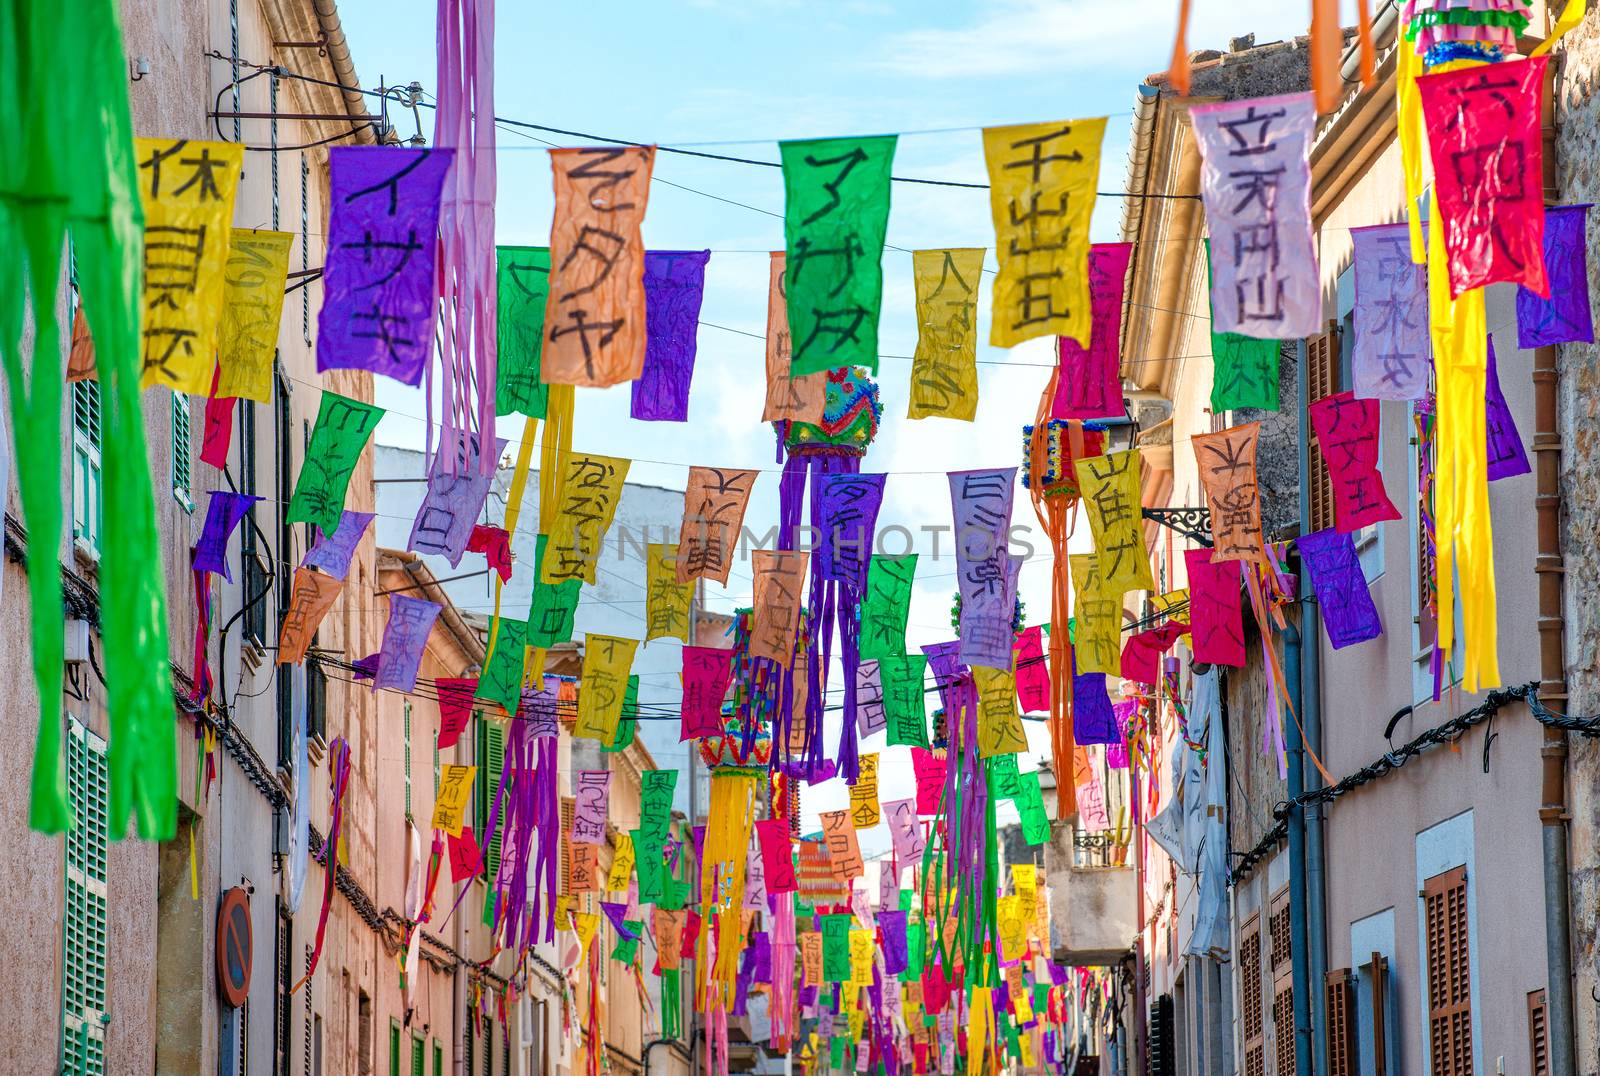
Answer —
(252, 303)
(187, 189)
(1110, 486)
(607, 661)
(666, 600)
(1013, 923)
(1097, 616)
(587, 925)
(861, 958)
(450, 802)
(999, 724)
(1042, 180)
(864, 793)
(621, 865)
(944, 370)
(591, 487)
(1025, 877)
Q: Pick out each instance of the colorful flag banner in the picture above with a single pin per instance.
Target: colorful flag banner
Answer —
(1110, 486)
(864, 813)
(1488, 168)
(655, 802)
(1227, 463)
(777, 592)
(495, 545)
(904, 698)
(223, 513)
(501, 678)
(887, 605)
(844, 853)
(621, 865)
(1033, 675)
(595, 320)
(337, 441)
(455, 708)
(1244, 369)
(188, 191)
(591, 798)
(667, 601)
(1389, 359)
(252, 304)
(522, 291)
(1348, 433)
(755, 881)
(847, 517)
(217, 435)
(310, 598)
(835, 946)
(1566, 317)
(555, 605)
(1348, 613)
(332, 552)
(1141, 655)
(1097, 640)
(1255, 183)
(980, 502)
(668, 929)
(871, 716)
(1507, 456)
(1090, 385)
(707, 671)
(1092, 719)
(999, 725)
(811, 958)
(539, 707)
(458, 486)
(1042, 179)
(930, 772)
(466, 858)
(836, 214)
(944, 368)
(789, 399)
(405, 634)
(590, 490)
(905, 830)
(1216, 609)
(777, 855)
(450, 801)
(674, 285)
(714, 503)
(379, 286)
(607, 660)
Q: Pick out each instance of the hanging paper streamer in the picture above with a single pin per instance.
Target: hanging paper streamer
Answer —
(870, 714)
(864, 811)
(1033, 676)
(779, 579)
(591, 795)
(1389, 360)
(607, 660)
(333, 551)
(1565, 317)
(337, 441)
(455, 708)
(466, 858)
(1488, 165)
(789, 399)
(707, 671)
(667, 601)
(1348, 433)
(1097, 641)
(1042, 180)
(904, 698)
(836, 214)
(887, 605)
(591, 488)
(1244, 369)
(595, 322)
(980, 502)
(522, 289)
(252, 303)
(450, 801)
(944, 371)
(379, 306)
(217, 435)
(844, 853)
(674, 284)
(1092, 719)
(495, 545)
(188, 191)
(501, 679)
(223, 513)
(338, 780)
(1141, 655)
(404, 636)
(847, 515)
(1090, 385)
(1507, 456)
(1347, 610)
(312, 595)
(1255, 181)
(714, 504)
(457, 489)
(1227, 464)
(555, 606)
(1110, 486)
(777, 855)
(1030, 805)
(1216, 609)
(999, 724)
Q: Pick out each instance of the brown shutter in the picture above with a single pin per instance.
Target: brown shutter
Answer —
(1444, 916)
(1341, 993)
(1283, 984)
(1255, 1053)
(1322, 379)
(1376, 973)
(1538, 1036)
(568, 807)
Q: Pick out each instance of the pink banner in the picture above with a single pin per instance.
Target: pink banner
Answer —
(901, 815)
(591, 799)
(930, 780)
(1033, 675)
(1090, 385)
(1347, 432)
(1216, 609)
(777, 855)
(706, 672)
(455, 707)
(1141, 657)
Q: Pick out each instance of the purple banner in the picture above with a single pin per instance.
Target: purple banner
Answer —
(895, 952)
(1092, 719)
(980, 502)
(1565, 317)
(1255, 182)
(1391, 355)
(379, 300)
(404, 636)
(674, 284)
(1507, 457)
(946, 667)
(456, 492)
(847, 517)
(1090, 385)
(332, 552)
(1347, 610)
(222, 516)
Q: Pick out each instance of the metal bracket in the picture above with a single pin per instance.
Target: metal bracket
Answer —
(1193, 523)
(320, 44)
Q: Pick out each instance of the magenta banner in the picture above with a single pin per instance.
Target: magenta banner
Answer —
(706, 673)
(674, 285)
(1033, 675)
(379, 301)
(1090, 385)
(1216, 609)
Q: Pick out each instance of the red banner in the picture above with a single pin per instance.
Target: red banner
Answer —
(1347, 432)
(1216, 609)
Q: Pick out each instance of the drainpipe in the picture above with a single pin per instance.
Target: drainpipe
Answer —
(1297, 864)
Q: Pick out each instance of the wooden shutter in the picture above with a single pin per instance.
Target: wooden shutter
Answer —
(1376, 975)
(1538, 1035)
(1444, 914)
(419, 1055)
(1255, 1050)
(1282, 953)
(394, 1047)
(1322, 379)
(1343, 1060)
(567, 809)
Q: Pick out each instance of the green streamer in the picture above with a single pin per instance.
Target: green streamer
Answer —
(522, 286)
(337, 440)
(628, 725)
(501, 679)
(671, 1005)
(554, 605)
(1245, 370)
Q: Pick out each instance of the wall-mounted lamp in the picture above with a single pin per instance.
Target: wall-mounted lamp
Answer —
(139, 68)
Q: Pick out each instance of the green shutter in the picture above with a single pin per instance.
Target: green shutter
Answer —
(86, 410)
(182, 479)
(491, 759)
(84, 936)
(419, 1055)
(438, 1059)
(86, 462)
(394, 1048)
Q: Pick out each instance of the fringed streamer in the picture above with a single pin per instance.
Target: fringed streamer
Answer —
(464, 121)
(781, 1007)
(1413, 139)
(1178, 69)
(1054, 514)
(532, 812)
(339, 777)
(592, 1032)
(553, 452)
(728, 825)
(202, 635)
(1327, 48)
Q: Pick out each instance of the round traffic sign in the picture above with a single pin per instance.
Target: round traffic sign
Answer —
(233, 947)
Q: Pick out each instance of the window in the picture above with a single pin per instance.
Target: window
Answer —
(86, 467)
(469, 1043)
(1159, 1038)
(1448, 975)
(1255, 1051)
(394, 1048)
(1283, 984)
(283, 1010)
(568, 810)
(438, 1059)
(316, 699)
(419, 1055)
(1375, 977)
(1322, 379)
(1340, 990)
(83, 979)
(1538, 1036)
(491, 752)
(182, 452)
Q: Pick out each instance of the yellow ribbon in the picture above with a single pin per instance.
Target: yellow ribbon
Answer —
(1571, 15)
(519, 485)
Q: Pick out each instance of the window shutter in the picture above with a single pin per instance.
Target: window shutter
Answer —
(567, 809)
(469, 1043)
(182, 441)
(495, 755)
(394, 1048)
(1159, 1056)
(438, 1059)
(1444, 914)
(1255, 1054)
(84, 940)
(1282, 985)
(86, 462)
(1538, 1035)
(419, 1056)
(1376, 975)
(1322, 379)
(1343, 1060)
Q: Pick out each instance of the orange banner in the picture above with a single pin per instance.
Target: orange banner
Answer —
(811, 957)
(780, 577)
(310, 599)
(713, 511)
(1227, 461)
(795, 399)
(844, 851)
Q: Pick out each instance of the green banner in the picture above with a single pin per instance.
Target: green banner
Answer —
(671, 1005)
(887, 605)
(836, 947)
(341, 433)
(501, 679)
(522, 286)
(1003, 776)
(905, 700)
(630, 719)
(1030, 805)
(647, 864)
(836, 214)
(1244, 369)
(627, 948)
(916, 947)
(554, 606)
